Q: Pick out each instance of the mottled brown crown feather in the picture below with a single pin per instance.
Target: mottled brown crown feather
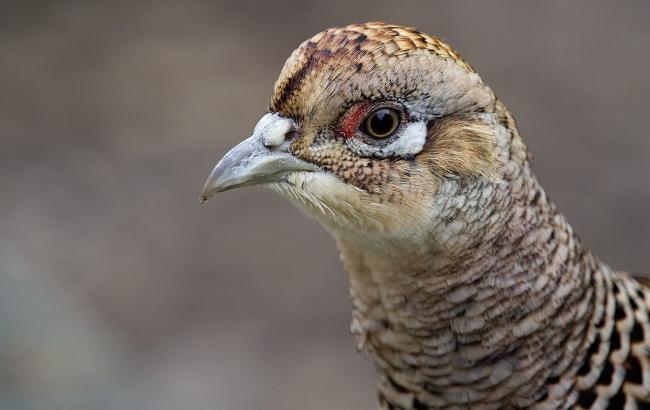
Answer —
(382, 38)
(356, 47)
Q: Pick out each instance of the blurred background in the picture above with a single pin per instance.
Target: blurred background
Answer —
(118, 290)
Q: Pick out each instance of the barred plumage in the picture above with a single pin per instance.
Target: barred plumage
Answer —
(469, 289)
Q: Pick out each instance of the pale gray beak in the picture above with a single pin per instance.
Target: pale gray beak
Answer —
(260, 159)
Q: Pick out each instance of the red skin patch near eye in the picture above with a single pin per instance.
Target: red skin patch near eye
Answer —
(352, 120)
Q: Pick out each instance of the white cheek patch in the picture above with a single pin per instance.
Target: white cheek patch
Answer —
(272, 129)
(409, 142)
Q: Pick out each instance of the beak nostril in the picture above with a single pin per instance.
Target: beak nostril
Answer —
(277, 131)
(274, 139)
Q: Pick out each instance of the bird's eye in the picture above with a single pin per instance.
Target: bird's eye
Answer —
(381, 123)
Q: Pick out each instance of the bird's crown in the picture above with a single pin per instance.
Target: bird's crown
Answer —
(357, 47)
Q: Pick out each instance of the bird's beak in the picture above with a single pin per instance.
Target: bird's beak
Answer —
(257, 160)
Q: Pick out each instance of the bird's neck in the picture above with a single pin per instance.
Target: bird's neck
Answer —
(496, 318)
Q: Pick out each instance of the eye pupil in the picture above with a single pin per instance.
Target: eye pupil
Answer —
(381, 123)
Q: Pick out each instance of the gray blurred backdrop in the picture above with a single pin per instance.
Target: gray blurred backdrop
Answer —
(118, 290)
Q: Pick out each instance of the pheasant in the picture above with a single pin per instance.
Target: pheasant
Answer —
(469, 289)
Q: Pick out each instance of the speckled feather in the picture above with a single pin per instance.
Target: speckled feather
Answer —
(470, 290)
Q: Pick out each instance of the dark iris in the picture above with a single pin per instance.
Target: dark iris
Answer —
(381, 123)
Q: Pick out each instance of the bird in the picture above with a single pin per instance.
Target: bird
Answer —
(469, 288)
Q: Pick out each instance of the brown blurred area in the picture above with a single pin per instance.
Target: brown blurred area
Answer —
(118, 290)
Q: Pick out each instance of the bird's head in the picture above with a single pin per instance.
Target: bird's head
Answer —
(374, 128)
